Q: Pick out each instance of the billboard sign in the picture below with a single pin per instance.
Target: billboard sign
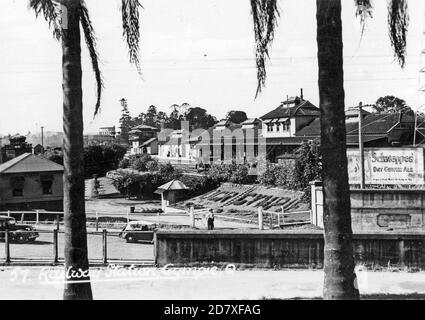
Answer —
(387, 166)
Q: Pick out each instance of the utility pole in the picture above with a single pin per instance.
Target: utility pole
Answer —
(362, 175)
(42, 138)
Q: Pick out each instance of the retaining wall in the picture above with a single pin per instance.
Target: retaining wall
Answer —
(268, 249)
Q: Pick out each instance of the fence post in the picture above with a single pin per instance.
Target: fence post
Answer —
(260, 218)
(192, 216)
(37, 217)
(283, 215)
(97, 222)
(57, 222)
(278, 216)
(7, 246)
(8, 213)
(128, 217)
(55, 246)
(22, 217)
(105, 246)
(271, 220)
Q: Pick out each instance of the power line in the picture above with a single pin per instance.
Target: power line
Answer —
(378, 120)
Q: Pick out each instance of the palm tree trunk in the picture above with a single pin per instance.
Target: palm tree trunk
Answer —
(340, 279)
(76, 259)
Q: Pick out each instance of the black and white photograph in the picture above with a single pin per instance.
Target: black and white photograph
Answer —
(218, 156)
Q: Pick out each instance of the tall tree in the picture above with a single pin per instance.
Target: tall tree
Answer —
(125, 121)
(339, 263)
(176, 116)
(340, 279)
(72, 15)
(236, 116)
(391, 104)
(151, 116)
(199, 118)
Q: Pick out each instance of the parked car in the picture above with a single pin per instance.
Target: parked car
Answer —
(17, 232)
(131, 232)
(201, 167)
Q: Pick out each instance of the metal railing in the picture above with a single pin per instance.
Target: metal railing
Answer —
(54, 258)
(279, 217)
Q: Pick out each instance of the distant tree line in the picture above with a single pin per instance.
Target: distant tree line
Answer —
(197, 117)
(98, 159)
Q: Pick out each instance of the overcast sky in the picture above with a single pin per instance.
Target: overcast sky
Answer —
(200, 52)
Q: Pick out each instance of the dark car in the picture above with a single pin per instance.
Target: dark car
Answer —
(201, 167)
(136, 231)
(17, 232)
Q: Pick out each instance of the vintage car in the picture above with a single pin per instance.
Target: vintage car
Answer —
(17, 232)
(132, 232)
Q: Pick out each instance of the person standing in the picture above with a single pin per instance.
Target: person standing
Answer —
(210, 219)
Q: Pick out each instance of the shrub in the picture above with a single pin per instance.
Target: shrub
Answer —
(140, 163)
(124, 163)
(219, 173)
(308, 165)
(277, 175)
(235, 173)
(127, 184)
(99, 159)
(197, 185)
(152, 165)
(240, 175)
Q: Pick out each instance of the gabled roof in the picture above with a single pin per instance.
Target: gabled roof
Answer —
(223, 123)
(251, 121)
(28, 162)
(226, 124)
(144, 127)
(148, 142)
(354, 112)
(288, 110)
(373, 124)
(172, 185)
(380, 123)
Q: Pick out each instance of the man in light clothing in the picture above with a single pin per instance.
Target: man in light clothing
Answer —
(210, 219)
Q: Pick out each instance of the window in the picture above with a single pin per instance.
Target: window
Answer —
(47, 187)
(46, 183)
(18, 192)
(269, 128)
(17, 186)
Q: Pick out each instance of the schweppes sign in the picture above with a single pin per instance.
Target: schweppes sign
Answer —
(388, 166)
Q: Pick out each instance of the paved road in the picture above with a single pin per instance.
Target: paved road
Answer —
(155, 283)
(117, 248)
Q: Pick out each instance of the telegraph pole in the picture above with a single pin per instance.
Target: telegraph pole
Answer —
(42, 138)
(362, 175)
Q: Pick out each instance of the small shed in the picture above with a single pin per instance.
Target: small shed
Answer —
(169, 191)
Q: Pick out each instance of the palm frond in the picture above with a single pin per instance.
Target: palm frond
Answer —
(47, 9)
(364, 11)
(398, 22)
(265, 14)
(131, 29)
(91, 42)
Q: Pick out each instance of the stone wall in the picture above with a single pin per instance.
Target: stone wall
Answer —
(379, 210)
(270, 249)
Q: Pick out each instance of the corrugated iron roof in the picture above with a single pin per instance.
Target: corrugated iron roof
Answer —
(28, 162)
(172, 185)
(144, 127)
(148, 142)
(372, 124)
(304, 108)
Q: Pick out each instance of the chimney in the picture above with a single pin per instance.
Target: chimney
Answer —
(302, 96)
